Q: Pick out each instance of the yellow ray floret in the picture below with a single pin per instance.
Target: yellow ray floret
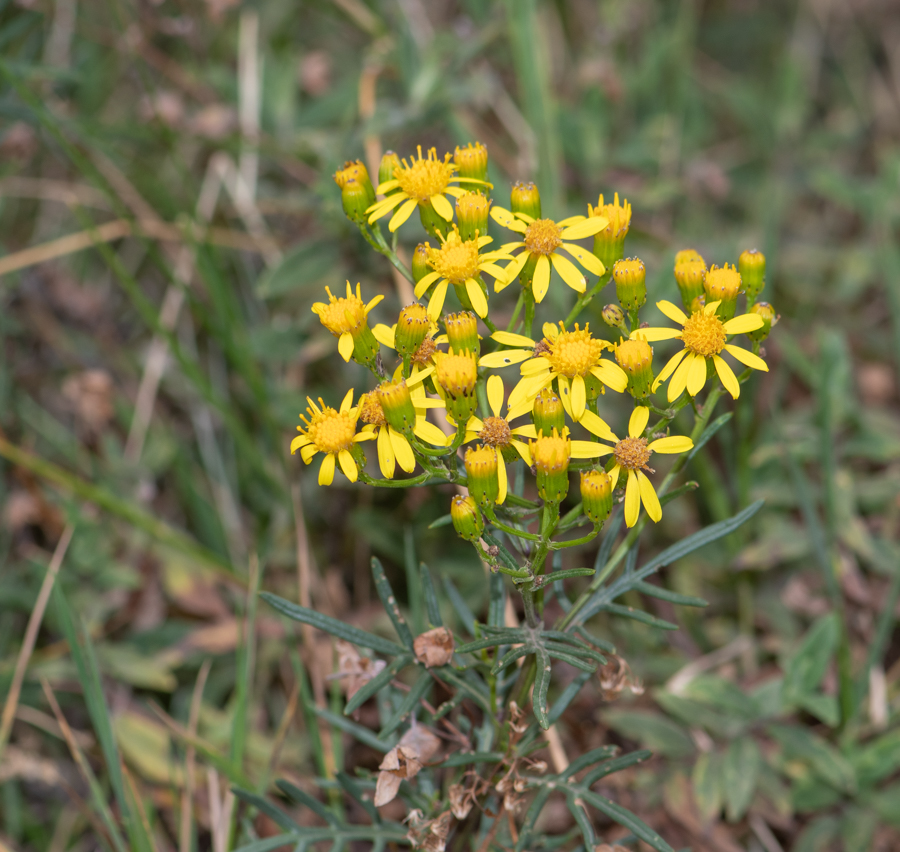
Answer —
(345, 317)
(419, 181)
(632, 454)
(571, 358)
(704, 336)
(542, 240)
(334, 434)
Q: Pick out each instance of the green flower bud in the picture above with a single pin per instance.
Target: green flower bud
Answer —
(397, 405)
(630, 276)
(466, 516)
(389, 162)
(462, 332)
(596, 495)
(481, 470)
(525, 198)
(752, 266)
(472, 213)
(412, 329)
(635, 357)
(550, 454)
(690, 275)
(420, 266)
(472, 161)
(769, 318)
(723, 284)
(548, 413)
(614, 317)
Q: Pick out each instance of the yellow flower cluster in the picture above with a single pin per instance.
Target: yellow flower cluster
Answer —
(443, 391)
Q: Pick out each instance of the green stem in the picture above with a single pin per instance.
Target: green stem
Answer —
(397, 483)
(374, 238)
(585, 298)
(516, 311)
(575, 542)
(529, 312)
(527, 536)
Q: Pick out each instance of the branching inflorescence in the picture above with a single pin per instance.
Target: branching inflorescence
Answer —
(466, 394)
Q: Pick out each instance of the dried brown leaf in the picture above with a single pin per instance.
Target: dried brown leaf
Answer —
(434, 647)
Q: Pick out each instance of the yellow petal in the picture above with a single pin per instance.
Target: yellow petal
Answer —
(667, 371)
(672, 312)
(496, 360)
(541, 282)
(579, 397)
(711, 307)
(696, 376)
(597, 426)
(528, 388)
(430, 433)
(442, 207)
(512, 412)
(346, 402)
(326, 471)
(672, 444)
(298, 443)
(654, 334)
(384, 334)
(587, 259)
(477, 297)
(307, 453)
(565, 395)
(568, 272)
(345, 345)
(507, 338)
(523, 450)
(387, 186)
(589, 450)
(726, 374)
(742, 324)
(649, 498)
(747, 358)
(436, 303)
(614, 475)
(377, 210)
(632, 499)
(512, 271)
(526, 431)
(535, 366)
(585, 228)
(571, 220)
(679, 378)
(501, 478)
(502, 216)
(612, 375)
(638, 421)
(402, 214)
(402, 450)
(493, 269)
(425, 282)
(385, 454)
(495, 394)
(348, 465)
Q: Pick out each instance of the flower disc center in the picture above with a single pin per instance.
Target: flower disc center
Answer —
(573, 353)
(370, 410)
(704, 334)
(341, 315)
(495, 432)
(423, 177)
(633, 453)
(331, 431)
(456, 260)
(543, 236)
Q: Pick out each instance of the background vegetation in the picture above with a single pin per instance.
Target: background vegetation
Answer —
(149, 388)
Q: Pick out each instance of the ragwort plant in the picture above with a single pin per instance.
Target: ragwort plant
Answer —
(508, 415)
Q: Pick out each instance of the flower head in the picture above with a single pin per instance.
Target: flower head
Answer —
(419, 182)
(632, 454)
(455, 376)
(609, 242)
(346, 318)
(459, 262)
(571, 358)
(723, 283)
(332, 432)
(542, 240)
(704, 336)
(752, 266)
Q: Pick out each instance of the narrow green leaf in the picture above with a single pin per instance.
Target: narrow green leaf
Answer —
(638, 615)
(823, 758)
(652, 730)
(511, 656)
(267, 844)
(588, 759)
(557, 576)
(389, 601)
(576, 651)
(666, 595)
(740, 771)
(278, 816)
(624, 817)
(333, 626)
(382, 679)
(443, 521)
(877, 759)
(708, 433)
(579, 814)
(409, 704)
(807, 665)
(364, 735)
(478, 694)
(293, 792)
(571, 660)
(462, 610)
(508, 637)
(432, 606)
(541, 687)
(617, 764)
(567, 696)
(356, 792)
(603, 644)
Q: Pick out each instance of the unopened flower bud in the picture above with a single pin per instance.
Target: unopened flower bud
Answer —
(456, 375)
(723, 284)
(630, 276)
(389, 162)
(420, 266)
(769, 318)
(698, 303)
(466, 516)
(752, 266)
(471, 161)
(472, 210)
(614, 317)
(397, 405)
(609, 244)
(355, 201)
(690, 275)
(635, 357)
(462, 332)
(596, 495)
(525, 198)
(548, 413)
(355, 170)
(687, 255)
(412, 328)
(481, 470)
(551, 454)
(346, 319)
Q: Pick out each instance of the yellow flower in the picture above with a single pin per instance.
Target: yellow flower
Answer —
(419, 181)
(346, 319)
(423, 357)
(569, 357)
(332, 433)
(393, 446)
(497, 433)
(542, 239)
(459, 262)
(632, 454)
(703, 335)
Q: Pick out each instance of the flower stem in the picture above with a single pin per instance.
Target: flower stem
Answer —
(585, 298)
